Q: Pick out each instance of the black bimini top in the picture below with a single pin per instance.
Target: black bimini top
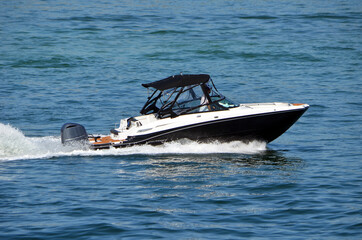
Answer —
(178, 81)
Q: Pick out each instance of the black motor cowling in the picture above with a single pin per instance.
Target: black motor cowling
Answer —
(73, 132)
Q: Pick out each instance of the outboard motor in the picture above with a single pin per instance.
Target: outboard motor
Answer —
(73, 132)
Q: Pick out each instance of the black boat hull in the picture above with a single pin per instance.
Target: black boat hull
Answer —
(264, 127)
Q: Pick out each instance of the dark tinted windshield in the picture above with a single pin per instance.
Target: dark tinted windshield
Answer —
(189, 99)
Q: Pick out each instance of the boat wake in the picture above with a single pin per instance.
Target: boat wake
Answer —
(14, 145)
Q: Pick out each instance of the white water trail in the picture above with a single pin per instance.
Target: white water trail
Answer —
(14, 145)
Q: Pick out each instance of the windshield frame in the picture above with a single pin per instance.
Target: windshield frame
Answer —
(165, 103)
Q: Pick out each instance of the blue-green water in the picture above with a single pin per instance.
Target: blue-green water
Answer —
(81, 61)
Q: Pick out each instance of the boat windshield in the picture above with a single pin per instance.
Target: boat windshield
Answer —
(184, 100)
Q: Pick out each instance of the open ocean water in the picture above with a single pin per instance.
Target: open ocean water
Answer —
(84, 61)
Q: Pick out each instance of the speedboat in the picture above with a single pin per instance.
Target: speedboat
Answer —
(190, 107)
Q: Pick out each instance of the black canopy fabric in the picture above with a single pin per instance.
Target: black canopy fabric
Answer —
(178, 81)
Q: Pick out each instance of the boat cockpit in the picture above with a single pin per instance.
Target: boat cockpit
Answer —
(184, 94)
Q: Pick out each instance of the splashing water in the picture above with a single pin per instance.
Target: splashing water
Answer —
(14, 145)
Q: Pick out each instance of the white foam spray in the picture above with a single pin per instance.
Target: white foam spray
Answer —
(14, 145)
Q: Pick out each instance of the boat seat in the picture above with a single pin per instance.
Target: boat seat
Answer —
(114, 131)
